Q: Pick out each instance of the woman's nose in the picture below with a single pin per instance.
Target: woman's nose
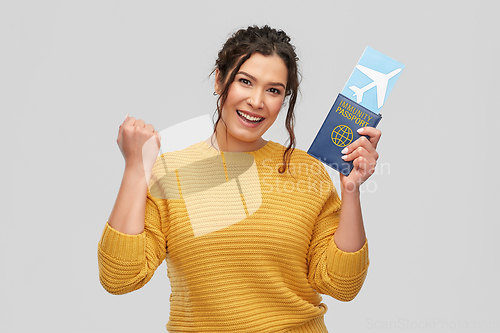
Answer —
(256, 101)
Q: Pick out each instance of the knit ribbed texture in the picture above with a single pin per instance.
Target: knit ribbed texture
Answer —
(260, 265)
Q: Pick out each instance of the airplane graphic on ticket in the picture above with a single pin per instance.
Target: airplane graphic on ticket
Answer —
(374, 70)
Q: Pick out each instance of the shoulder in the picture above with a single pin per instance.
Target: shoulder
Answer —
(298, 154)
(301, 163)
(187, 166)
(305, 176)
(195, 149)
(194, 153)
(191, 158)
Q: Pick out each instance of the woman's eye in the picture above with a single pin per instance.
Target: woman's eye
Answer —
(245, 81)
(275, 91)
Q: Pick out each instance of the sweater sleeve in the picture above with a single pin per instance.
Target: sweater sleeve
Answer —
(332, 271)
(128, 262)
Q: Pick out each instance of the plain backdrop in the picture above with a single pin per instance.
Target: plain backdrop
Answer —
(71, 70)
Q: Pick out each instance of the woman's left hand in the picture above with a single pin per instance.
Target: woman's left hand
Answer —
(363, 155)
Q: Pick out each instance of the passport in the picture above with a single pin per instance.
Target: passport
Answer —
(358, 105)
(338, 131)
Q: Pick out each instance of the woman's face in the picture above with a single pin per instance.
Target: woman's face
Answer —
(253, 102)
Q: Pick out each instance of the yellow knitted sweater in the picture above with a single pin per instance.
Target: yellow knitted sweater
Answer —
(247, 249)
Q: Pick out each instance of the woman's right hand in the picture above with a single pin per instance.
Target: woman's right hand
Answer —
(139, 143)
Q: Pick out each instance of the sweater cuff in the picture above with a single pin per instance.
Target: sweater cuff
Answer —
(121, 246)
(347, 264)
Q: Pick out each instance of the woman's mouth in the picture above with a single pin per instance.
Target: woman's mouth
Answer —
(249, 118)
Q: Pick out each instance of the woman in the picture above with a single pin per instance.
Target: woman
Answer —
(252, 232)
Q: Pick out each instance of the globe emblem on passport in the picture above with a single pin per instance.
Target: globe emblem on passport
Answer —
(342, 135)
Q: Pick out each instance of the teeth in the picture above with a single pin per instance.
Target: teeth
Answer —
(249, 117)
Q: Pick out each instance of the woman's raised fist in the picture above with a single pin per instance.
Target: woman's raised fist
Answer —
(139, 143)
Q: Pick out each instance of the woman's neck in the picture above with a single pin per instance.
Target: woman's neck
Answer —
(222, 141)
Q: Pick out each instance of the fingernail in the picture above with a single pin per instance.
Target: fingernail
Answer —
(343, 157)
(126, 117)
(344, 151)
(360, 130)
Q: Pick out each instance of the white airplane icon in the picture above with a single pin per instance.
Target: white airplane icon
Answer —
(380, 80)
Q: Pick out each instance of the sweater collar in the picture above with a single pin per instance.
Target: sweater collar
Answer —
(269, 150)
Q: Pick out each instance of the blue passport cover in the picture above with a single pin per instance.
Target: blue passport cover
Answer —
(340, 129)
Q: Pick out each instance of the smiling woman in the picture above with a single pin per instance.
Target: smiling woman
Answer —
(253, 102)
(250, 240)
(268, 42)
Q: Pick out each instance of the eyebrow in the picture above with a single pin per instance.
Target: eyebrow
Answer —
(255, 79)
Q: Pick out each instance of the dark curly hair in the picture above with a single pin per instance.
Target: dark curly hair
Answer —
(266, 41)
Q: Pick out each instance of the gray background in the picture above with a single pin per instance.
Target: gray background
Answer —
(71, 70)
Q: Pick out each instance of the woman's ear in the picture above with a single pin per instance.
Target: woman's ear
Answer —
(217, 84)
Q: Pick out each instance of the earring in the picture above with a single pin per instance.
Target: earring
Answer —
(215, 93)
